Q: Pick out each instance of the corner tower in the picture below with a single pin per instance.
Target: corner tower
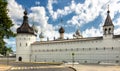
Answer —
(25, 36)
(108, 27)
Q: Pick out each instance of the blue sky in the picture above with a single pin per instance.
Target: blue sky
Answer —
(86, 15)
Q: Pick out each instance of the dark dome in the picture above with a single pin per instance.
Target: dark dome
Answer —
(25, 28)
(61, 30)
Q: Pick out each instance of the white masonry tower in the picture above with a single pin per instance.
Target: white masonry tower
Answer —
(25, 36)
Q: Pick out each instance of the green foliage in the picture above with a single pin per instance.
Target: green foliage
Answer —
(4, 50)
(5, 25)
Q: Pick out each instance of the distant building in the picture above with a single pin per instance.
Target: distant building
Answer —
(103, 49)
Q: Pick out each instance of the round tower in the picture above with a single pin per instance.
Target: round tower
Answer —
(61, 31)
(25, 36)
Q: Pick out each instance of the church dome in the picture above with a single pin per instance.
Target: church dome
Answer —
(77, 32)
(41, 35)
(35, 29)
(25, 28)
(61, 30)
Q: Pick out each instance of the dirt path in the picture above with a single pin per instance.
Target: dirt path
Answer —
(4, 67)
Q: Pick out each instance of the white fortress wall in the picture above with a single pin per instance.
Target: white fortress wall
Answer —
(89, 51)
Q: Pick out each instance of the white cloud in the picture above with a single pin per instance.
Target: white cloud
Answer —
(15, 13)
(41, 20)
(117, 24)
(86, 12)
(10, 43)
(37, 3)
(59, 13)
(68, 35)
(50, 8)
(15, 10)
(117, 31)
(92, 32)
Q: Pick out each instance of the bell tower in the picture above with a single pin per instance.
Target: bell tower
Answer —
(108, 27)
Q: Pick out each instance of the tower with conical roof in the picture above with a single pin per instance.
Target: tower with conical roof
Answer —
(108, 27)
(25, 36)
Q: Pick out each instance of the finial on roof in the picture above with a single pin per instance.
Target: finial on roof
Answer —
(25, 12)
(108, 9)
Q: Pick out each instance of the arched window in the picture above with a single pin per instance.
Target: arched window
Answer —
(104, 48)
(65, 49)
(96, 48)
(89, 48)
(109, 31)
(26, 44)
(77, 49)
(47, 50)
(117, 61)
(72, 49)
(105, 31)
(56, 50)
(99, 62)
(83, 48)
(85, 61)
(19, 58)
(112, 48)
(43, 50)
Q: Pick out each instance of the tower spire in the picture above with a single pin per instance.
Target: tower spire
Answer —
(25, 17)
(108, 21)
(108, 9)
(108, 26)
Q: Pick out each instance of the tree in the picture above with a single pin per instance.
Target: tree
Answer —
(5, 25)
(5, 49)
